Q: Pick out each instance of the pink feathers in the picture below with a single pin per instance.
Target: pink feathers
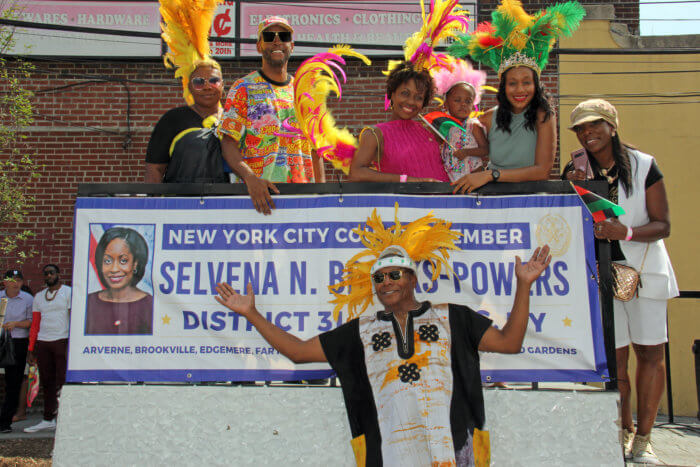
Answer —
(461, 72)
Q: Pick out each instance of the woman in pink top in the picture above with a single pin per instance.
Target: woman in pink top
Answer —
(402, 149)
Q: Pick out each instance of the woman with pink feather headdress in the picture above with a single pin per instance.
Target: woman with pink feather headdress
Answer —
(466, 148)
(402, 149)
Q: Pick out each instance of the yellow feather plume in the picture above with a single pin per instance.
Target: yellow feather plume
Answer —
(513, 9)
(445, 20)
(315, 79)
(425, 239)
(185, 28)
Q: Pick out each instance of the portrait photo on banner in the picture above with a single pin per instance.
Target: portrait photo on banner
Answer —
(120, 280)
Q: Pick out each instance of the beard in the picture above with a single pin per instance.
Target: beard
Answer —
(276, 60)
(52, 282)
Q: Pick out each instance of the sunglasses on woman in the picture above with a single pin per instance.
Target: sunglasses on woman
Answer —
(269, 36)
(199, 83)
(378, 277)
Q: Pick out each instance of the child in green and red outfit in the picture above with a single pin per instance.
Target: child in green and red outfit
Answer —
(467, 148)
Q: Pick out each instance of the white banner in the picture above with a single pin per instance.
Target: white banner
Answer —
(145, 271)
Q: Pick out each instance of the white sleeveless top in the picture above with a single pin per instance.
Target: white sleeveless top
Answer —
(658, 279)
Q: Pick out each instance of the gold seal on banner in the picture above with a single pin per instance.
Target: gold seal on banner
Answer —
(554, 231)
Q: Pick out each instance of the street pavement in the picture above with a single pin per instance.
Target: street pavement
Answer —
(676, 444)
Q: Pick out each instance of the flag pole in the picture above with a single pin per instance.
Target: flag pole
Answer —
(435, 131)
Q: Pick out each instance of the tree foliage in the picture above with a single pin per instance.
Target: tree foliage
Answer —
(18, 169)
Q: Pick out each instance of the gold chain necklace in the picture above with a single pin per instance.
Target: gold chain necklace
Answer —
(46, 294)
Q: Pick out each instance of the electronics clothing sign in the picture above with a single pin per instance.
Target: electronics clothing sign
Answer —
(145, 271)
(389, 22)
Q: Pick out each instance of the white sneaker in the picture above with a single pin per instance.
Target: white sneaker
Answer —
(627, 439)
(42, 425)
(642, 453)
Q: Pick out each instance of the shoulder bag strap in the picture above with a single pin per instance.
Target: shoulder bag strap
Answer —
(380, 139)
(646, 250)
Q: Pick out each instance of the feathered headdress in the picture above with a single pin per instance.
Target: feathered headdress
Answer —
(425, 239)
(446, 18)
(314, 80)
(514, 38)
(460, 72)
(185, 26)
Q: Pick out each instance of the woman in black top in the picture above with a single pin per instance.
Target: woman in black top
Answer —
(206, 87)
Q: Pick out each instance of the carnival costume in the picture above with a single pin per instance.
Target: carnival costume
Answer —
(411, 400)
(185, 27)
(460, 137)
(512, 39)
(445, 19)
(406, 147)
(182, 138)
(314, 81)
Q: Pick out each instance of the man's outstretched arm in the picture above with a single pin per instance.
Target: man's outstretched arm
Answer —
(510, 338)
(287, 344)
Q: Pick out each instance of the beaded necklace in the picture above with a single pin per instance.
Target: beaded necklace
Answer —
(46, 294)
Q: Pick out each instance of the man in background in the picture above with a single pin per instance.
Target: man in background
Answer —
(17, 320)
(48, 342)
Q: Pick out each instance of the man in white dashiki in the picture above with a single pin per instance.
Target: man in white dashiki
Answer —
(410, 373)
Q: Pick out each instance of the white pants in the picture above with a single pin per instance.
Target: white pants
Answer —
(640, 321)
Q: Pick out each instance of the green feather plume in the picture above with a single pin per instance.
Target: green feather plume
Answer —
(512, 30)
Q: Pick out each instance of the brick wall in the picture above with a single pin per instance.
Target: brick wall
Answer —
(626, 11)
(93, 121)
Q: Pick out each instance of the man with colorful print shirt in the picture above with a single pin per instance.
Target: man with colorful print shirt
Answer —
(254, 141)
(410, 373)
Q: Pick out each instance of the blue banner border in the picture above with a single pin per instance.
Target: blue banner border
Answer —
(414, 201)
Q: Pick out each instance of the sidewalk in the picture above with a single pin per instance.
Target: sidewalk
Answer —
(18, 429)
(676, 444)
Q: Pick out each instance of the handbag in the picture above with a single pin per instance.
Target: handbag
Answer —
(7, 348)
(626, 280)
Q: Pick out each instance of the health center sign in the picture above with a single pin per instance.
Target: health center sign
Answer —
(145, 271)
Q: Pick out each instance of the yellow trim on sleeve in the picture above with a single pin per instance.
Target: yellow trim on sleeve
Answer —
(359, 448)
(482, 448)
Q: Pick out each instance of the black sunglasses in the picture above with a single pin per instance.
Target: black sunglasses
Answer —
(269, 36)
(199, 83)
(378, 277)
(50, 272)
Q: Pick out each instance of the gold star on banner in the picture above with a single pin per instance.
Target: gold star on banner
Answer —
(567, 322)
(166, 319)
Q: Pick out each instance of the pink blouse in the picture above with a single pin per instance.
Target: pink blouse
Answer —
(411, 149)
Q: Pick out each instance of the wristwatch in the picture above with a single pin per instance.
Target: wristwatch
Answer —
(496, 174)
